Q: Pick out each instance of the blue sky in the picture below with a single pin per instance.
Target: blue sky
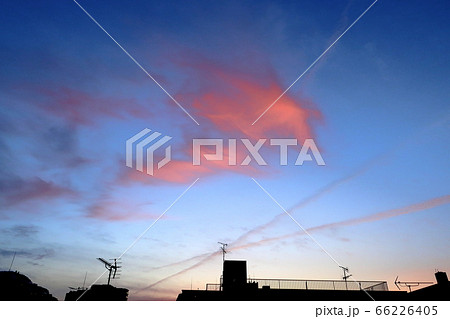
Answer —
(375, 104)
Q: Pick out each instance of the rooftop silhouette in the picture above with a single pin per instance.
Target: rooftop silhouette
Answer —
(235, 286)
(98, 293)
(18, 287)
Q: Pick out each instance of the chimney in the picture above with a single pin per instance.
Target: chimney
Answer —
(441, 277)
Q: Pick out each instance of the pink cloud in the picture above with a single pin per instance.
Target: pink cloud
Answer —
(176, 171)
(183, 171)
(226, 103)
(232, 100)
(119, 210)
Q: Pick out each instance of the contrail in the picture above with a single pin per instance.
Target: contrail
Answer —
(437, 201)
(201, 262)
(181, 261)
(321, 192)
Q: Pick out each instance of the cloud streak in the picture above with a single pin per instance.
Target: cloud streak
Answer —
(79, 107)
(22, 231)
(110, 209)
(17, 190)
(34, 254)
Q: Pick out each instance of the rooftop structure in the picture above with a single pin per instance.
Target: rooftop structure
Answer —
(235, 285)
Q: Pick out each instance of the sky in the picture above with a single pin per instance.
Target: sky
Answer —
(375, 105)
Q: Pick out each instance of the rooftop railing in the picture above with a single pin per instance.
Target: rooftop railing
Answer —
(304, 284)
(321, 284)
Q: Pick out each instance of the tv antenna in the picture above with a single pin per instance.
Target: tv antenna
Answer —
(346, 275)
(112, 267)
(410, 284)
(223, 249)
(14, 257)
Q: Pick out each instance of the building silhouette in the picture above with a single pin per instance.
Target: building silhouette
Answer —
(438, 291)
(101, 292)
(234, 286)
(17, 287)
(98, 293)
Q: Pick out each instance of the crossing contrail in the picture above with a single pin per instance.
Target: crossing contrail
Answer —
(321, 192)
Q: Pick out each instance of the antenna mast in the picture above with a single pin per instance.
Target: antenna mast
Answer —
(84, 282)
(410, 284)
(14, 257)
(346, 275)
(224, 250)
(112, 267)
